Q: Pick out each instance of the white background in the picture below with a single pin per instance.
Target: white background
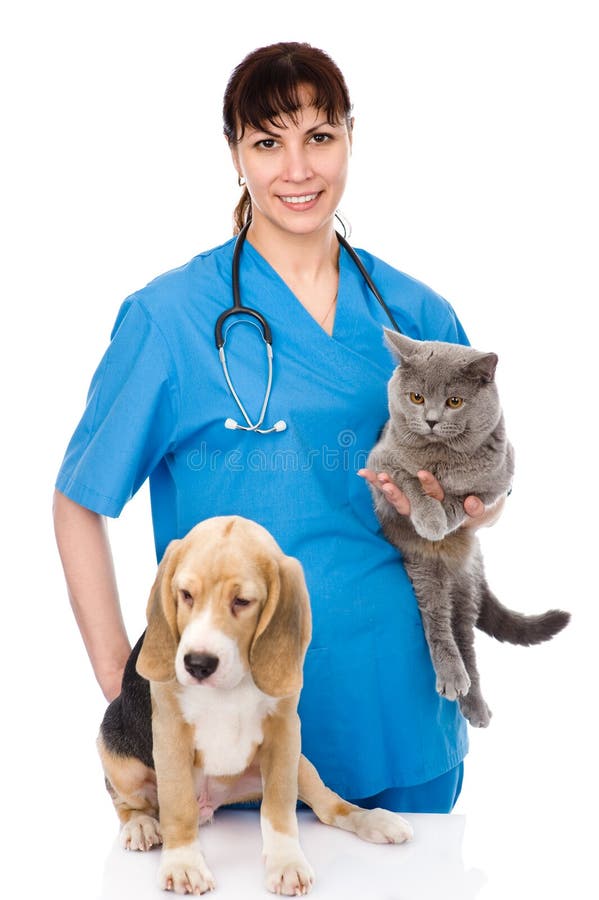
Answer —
(474, 169)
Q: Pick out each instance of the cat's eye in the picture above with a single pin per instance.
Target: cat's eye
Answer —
(454, 402)
(416, 398)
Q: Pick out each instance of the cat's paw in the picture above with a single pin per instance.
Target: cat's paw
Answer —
(430, 523)
(453, 683)
(476, 711)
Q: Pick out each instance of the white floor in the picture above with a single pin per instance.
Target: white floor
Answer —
(453, 857)
(344, 865)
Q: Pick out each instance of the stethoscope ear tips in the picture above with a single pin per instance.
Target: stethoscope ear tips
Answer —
(232, 425)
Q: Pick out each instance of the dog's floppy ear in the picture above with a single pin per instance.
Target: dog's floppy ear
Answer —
(156, 660)
(283, 631)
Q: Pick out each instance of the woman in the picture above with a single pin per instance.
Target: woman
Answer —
(372, 722)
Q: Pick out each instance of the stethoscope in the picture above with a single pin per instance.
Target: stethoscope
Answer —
(264, 328)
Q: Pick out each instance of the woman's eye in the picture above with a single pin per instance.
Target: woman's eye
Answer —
(416, 398)
(321, 138)
(267, 143)
(454, 402)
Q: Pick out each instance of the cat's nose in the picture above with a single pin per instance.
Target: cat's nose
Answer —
(432, 423)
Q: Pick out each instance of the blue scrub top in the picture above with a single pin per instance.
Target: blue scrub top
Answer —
(371, 717)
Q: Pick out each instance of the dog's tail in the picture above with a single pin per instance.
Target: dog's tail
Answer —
(506, 625)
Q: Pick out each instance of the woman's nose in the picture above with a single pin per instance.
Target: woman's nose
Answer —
(297, 166)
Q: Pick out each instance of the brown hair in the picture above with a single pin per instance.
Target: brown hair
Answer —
(264, 87)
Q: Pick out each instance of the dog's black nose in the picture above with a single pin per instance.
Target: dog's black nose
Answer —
(200, 665)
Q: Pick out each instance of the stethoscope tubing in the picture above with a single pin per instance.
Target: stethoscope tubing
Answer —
(238, 307)
(362, 269)
(264, 329)
(223, 361)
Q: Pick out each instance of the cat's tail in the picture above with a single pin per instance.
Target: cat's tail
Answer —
(506, 625)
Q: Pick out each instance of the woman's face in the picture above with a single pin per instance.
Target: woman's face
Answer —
(295, 174)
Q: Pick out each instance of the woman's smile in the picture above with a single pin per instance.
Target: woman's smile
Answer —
(300, 202)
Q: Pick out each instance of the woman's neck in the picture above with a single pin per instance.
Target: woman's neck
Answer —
(298, 258)
(307, 263)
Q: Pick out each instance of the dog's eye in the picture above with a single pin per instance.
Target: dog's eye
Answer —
(186, 597)
(239, 603)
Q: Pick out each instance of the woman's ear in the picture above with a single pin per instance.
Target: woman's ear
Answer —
(156, 660)
(283, 631)
(235, 157)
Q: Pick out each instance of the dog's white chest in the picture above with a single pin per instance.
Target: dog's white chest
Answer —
(228, 724)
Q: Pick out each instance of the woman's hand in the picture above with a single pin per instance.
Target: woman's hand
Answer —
(479, 515)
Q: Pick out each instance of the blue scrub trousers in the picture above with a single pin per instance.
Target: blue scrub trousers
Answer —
(437, 796)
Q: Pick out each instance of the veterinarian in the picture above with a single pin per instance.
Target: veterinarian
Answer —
(277, 440)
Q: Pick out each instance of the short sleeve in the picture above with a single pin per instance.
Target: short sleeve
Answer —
(129, 422)
(452, 330)
(434, 318)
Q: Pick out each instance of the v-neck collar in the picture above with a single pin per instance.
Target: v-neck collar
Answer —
(298, 308)
(356, 343)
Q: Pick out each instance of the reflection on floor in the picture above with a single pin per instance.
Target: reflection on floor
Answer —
(431, 866)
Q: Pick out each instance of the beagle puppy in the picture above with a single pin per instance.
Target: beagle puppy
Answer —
(207, 714)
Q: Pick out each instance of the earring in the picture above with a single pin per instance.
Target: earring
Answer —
(240, 180)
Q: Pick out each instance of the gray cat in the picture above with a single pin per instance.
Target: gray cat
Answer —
(445, 417)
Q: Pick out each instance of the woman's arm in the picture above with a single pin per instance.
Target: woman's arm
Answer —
(84, 549)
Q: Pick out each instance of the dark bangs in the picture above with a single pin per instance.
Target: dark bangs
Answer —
(266, 86)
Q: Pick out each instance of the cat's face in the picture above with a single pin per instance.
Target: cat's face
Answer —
(442, 393)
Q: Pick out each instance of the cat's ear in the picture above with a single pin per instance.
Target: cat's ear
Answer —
(401, 347)
(482, 368)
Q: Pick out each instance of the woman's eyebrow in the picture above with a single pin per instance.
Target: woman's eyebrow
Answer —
(311, 130)
(323, 124)
(253, 131)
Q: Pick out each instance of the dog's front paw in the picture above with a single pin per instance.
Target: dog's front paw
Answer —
(141, 833)
(380, 826)
(184, 871)
(290, 875)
